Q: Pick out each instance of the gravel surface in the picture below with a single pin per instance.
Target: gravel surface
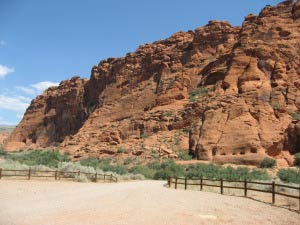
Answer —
(143, 202)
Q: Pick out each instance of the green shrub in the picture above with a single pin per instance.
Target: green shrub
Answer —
(2, 151)
(128, 160)
(144, 135)
(176, 140)
(168, 114)
(91, 162)
(295, 116)
(201, 91)
(169, 169)
(192, 99)
(146, 171)
(297, 159)
(267, 163)
(185, 156)
(289, 175)
(217, 172)
(49, 158)
(275, 105)
(121, 150)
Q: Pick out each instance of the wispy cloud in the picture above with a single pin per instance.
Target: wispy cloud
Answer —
(26, 90)
(2, 43)
(35, 89)
(41, 86)
(17, 103)
(4, 70)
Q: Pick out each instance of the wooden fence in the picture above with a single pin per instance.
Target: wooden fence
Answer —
(56, 174)
(201, 182)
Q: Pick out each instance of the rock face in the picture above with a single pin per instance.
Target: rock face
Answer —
(223, 93)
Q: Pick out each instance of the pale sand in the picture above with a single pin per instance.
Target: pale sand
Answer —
(144, 202)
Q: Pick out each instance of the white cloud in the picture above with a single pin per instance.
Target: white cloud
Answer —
(2, 43)
(41, 86)
(4, 70)
(17, 104)
(19, 116)
(26, 90)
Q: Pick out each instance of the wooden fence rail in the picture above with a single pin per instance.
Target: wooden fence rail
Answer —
(56, 174)
(201, 183)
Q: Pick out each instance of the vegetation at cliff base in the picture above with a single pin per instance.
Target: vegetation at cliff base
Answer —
(49, 158)
(289, 175)
(131, 168)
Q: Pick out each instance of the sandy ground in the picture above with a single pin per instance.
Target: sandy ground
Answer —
(38, 202)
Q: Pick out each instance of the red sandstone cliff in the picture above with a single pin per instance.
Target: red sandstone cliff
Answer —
(223, 93)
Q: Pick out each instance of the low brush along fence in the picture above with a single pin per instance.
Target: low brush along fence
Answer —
(245, 186)
(55, 174)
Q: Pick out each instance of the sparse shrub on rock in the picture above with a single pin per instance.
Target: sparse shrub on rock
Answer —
(268, 163)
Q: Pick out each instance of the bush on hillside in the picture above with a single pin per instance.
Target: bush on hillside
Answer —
(267, 163)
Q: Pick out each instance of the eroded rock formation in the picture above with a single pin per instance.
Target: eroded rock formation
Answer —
(223, 93)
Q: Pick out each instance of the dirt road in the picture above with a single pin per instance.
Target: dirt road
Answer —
(143, 202)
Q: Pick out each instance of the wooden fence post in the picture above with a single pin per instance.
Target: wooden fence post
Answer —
(176, 183)
(185, 183)
(299, 197)
(110, 178)
(245, 188)
(170, 184)
(273, 192)
(56, 175)
(221, 186)
(96, 177)
(0, 173)
(201, 183)
(29, 174)
(104, 178)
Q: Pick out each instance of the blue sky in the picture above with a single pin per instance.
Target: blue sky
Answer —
(44, 42)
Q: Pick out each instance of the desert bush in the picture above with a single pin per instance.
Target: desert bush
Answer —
(128, 160)
(144, 135)
(201, 91)
(2, 152)
(12, 165)
(146, 171)
(169, 169)
(131, 177)
(289, 175)
(168, 114)
(267, 163)
(74, 167)
(229, 173)
(192, 99)
(121, 150)
(49, 158)
(90, 162)
(297, 159)
(295, 116)
(185, 156)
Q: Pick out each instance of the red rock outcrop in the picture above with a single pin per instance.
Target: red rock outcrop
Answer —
(228, 94)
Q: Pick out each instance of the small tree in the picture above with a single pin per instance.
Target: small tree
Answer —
(297, 159)
(268, 163)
